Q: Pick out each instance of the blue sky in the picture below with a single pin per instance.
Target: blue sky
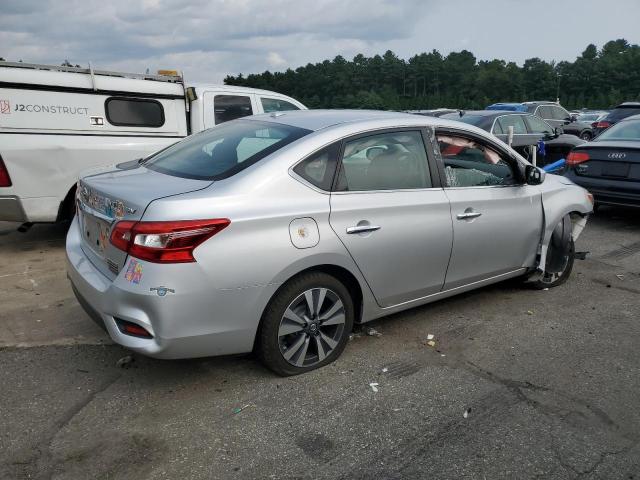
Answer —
(210, 39)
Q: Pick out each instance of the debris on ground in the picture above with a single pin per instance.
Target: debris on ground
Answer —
(529, 312)
(546, 289)
(385, 370)
(372, 332)
(621, 277)
(466, 413)
(431, 343)
(125, 362)
(430, 336)
(354, 335)
(239, 409)
(374, 386)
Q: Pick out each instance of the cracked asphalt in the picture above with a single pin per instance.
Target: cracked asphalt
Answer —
(549, 381)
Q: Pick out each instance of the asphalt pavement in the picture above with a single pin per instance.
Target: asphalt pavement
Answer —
(519, 384)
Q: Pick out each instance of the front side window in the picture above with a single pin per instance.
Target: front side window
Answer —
(560, 113)
(537, 125)
(319, 168)
(223, 151)
(515, 121)
(230, 107)
(276, 105)
(134, 112)
(385, 161)
(468, 163)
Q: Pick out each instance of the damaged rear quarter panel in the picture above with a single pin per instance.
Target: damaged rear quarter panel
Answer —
(560, 197)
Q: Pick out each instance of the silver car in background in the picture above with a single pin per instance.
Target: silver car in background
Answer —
(276, 233)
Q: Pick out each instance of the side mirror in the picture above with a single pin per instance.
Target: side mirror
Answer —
(534, 175)
(558, 131)
(574, 118)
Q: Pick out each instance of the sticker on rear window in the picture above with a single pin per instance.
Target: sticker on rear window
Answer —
(134, 272)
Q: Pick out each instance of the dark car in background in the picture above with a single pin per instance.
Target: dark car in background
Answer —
(622, 111)
(528, 130)
(609, 166)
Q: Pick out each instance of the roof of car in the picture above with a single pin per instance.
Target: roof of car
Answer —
(319, 119)
(629, 104)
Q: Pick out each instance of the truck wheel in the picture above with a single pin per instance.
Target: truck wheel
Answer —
(306, 325)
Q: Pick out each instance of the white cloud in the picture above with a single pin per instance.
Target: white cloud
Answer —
(209, 39)
(275, 60)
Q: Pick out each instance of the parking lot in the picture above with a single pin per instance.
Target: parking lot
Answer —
(519, 384)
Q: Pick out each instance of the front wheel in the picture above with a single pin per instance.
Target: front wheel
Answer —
(550, 280)
(306, 324)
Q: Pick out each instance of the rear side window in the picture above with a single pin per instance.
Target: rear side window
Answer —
(276, 105)
(319, 168)
(559, 113)
(134, 112)
(627, 130)
(386, 161)
(223, 151)
(545, 112)
(514, 121)
(230, 107)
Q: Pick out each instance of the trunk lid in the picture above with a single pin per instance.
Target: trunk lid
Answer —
(611, 160)
(107, 197)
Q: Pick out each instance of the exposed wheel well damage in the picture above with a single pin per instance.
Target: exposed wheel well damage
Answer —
(555, 243)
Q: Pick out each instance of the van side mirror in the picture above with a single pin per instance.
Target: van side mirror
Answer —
(558, 131)
(534, 175)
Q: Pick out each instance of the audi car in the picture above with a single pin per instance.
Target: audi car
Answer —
(609, 166)
(277, 233)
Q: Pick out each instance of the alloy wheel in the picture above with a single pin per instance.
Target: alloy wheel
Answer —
(311, 327)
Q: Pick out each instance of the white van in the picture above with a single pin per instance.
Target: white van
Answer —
(58, 121)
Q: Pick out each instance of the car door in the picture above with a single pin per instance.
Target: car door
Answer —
(497, 219)
(392, 215)
(220, 107)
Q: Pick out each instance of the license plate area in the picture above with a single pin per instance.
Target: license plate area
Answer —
(615, 169)
(95, 233)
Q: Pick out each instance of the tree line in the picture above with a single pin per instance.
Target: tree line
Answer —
(596, 79)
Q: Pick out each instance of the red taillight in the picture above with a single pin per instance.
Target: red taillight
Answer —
(601, 124)
(164, 242)
(5, 179)
(574, 158)
(133, 329)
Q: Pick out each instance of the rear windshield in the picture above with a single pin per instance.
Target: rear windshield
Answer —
(224, 150)
(470, 119)
(622, 112)
(626, 130)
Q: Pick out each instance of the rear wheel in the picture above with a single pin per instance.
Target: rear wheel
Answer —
(586, 135)
(306, 325)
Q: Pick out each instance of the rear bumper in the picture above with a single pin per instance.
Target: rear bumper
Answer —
(11, 210)
(195, 321)
(609, 192)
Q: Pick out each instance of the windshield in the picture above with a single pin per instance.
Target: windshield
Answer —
(625, 130)
(224, 150)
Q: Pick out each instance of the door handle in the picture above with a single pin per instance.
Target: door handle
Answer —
(362, 229)
(468, 215)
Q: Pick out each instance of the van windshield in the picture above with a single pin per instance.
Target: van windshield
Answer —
(223, 151)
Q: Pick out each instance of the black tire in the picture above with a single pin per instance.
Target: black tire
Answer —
(586, 135)
(557, 279)
(269, 343)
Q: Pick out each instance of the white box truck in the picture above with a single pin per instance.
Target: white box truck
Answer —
(57, 121)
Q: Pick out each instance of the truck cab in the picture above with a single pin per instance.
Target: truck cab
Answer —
(56, 122)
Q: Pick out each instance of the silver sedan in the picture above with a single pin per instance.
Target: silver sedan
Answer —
(277, 233)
